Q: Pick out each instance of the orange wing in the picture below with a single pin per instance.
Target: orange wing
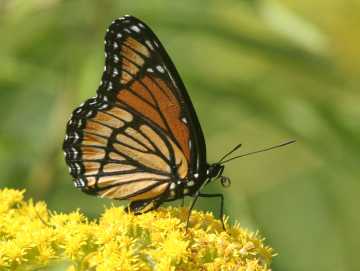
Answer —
(137, 75)
(140, 133)
(115, 154)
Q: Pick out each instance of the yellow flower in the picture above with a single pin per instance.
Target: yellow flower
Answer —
(32, 237)
(9, 198)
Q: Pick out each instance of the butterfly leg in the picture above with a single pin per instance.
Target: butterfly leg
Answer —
(221, 196)
(182, 202)
(196, 196)
(142, 206)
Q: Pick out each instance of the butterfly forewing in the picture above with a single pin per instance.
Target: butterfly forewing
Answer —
(139, 72)
(140, 133)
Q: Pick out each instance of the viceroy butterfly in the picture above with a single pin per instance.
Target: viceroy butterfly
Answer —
(139, 139)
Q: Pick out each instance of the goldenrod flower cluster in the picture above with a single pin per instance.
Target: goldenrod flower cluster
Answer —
(33, 238)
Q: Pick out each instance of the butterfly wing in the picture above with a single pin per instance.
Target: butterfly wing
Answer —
(141, 131)
(136, 56)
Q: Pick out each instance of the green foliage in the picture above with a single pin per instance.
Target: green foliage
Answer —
(259, 72)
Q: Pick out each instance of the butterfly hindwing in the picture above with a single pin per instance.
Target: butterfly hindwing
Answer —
(111, 153)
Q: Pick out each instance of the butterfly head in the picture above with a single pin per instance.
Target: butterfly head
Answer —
(215, 171)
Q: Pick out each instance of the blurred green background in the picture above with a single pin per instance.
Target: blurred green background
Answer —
(259, 72)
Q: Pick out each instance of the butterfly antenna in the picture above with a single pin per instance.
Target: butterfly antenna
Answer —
(230, 152)
(262, 150)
